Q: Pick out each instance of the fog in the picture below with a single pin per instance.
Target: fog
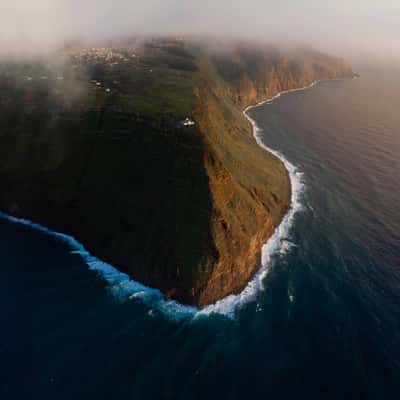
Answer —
(350, 28)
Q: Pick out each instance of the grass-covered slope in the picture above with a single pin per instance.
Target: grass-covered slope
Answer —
(96, 148)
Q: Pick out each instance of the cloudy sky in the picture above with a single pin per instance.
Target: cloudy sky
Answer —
(341, 26)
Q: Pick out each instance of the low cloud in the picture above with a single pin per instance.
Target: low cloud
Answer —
(351, 27)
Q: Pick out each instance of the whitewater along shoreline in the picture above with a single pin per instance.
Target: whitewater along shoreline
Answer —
(122, 287)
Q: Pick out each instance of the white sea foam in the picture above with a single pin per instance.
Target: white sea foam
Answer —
(279, 242)
(124, 288)
(119, 284)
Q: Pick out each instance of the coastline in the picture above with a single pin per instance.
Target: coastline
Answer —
(124, 288)
(278, 241)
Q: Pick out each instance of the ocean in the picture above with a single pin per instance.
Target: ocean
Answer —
(320, 320)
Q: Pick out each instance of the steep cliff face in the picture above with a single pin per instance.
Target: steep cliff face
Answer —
(250, 192)
(250, 188)
(182, 208)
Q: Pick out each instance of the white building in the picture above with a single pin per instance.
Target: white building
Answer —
(188, 122)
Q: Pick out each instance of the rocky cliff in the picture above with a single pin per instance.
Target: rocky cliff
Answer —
(185, 208)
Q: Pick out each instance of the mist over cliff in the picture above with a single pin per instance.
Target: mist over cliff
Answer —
(352, 29)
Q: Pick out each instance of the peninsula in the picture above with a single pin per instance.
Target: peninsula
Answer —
(141, 151)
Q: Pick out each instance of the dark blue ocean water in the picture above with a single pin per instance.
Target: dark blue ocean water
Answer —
(326, 325)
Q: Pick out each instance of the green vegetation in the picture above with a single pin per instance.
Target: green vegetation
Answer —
(114, 168)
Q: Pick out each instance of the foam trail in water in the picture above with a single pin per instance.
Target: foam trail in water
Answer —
(124, 288)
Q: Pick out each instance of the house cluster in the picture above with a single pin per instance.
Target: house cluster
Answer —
(101, 54)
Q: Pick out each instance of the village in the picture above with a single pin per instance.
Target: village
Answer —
(123, 74)
(111, 56)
